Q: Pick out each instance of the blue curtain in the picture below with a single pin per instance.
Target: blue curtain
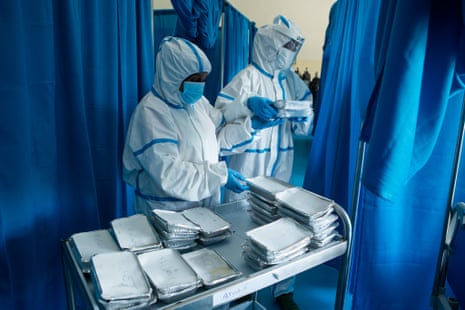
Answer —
(213, 82)
(164, 24)
(237, 29)
(198, 21)
(71, 73)
(456, 272)
(347, 57)
(394, 55)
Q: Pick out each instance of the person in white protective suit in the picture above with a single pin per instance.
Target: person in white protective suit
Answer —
(267, 79)
(171, 153)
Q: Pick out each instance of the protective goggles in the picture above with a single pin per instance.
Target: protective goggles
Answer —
(292, 45)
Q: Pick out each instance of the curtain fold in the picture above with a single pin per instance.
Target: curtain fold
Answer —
(71, 73)
(198, 20)
(237, 29)
(413, 67)
(346, 58)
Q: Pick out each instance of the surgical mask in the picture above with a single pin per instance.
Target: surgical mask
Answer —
(193, 91)
(285, 58)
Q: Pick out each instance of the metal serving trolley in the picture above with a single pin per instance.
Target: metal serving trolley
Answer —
(250, 281)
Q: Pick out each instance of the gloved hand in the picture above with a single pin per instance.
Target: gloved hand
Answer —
(258, 123)
(234, 182)
(262, 107)
(298, 119)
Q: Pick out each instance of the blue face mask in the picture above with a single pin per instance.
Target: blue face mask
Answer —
(193, 91)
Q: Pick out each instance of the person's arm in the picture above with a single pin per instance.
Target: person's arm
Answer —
(232, 99)
(233, 136)
(155, 147)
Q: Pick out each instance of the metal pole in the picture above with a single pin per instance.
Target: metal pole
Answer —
(222, 48)
(345, 260)
(441, 268)
(357, 181)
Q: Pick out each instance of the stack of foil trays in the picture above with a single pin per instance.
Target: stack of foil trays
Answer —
(87, 244)
(275, 243)
(169, 273)
(212, 227)
(135, 233)
(175, 229)
(313, 211)
(262, 198)
(119, 281)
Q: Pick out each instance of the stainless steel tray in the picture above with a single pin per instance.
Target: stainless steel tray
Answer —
(119, 277)
(210, 267)
(87, 244)
(135, 233)
(210, 223)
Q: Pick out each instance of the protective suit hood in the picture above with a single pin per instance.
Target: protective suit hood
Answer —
(177, 59)
(269, 38)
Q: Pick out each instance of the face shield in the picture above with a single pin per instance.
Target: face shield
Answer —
(292, 41)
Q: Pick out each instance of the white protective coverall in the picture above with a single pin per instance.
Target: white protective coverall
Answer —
(272, 151)
(171, 154)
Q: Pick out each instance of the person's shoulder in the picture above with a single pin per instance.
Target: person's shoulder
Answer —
(247, 71)
(242, 76)
(152, 105)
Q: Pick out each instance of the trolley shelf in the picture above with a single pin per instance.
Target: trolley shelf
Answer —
(249, 282)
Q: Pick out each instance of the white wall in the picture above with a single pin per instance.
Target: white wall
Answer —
(311, 16)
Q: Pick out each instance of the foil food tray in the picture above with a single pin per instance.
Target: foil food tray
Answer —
(119, 278)
(268, 206)
(293, 108)
(135, 233)
(305, 203)
(263, 211)
(266, 186)
(278, 236)
(90, 243)
(210, 267)
(214, 239)
(209, 222)
(169, 273)
(173, 221)
(276, 258)
(258, 262)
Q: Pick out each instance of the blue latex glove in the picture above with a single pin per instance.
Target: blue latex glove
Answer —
(234, 182)
(262, 107)
(298, 119)
(258, 123)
